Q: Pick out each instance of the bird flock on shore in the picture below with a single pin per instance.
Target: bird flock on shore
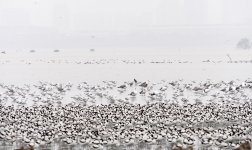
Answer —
(117, 61)
(184, 114)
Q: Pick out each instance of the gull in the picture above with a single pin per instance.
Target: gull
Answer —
(133, 93)
(164, 88)
(142, 91)
(135, 81)
(144, 84)
(122, 86)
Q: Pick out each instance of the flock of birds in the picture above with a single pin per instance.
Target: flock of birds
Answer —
(114, 61)
(178, 114)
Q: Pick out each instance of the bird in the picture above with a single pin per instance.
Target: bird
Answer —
(135, 81)
(133, 93)
(164, 88)
(122, 86)
(142, 92)
(144, 84)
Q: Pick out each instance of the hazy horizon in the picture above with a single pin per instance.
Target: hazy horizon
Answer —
(161, 24)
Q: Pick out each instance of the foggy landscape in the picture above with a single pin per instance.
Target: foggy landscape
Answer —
(130, 75)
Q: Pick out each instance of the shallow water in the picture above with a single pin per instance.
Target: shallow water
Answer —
(94, 73)
(24, 67)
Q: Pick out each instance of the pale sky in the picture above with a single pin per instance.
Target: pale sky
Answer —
(70, 23)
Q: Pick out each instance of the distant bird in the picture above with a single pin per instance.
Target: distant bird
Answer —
(172, 83)
(164, 88)
(135, 81)
(153, 93)
(144, 84)
(32, 51)
(134, 93)
(131, 83)
(142, 92)
(122, 86)
(197, 89)
(248, 81)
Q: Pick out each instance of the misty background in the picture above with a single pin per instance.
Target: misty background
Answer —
(102, 25)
